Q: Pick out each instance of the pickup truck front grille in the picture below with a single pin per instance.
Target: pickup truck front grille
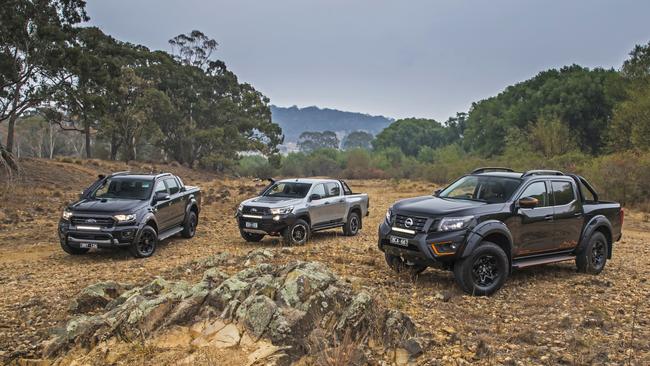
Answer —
(253, 210)
(93, 221)
(417, 225)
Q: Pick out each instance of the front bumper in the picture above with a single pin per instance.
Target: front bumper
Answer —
(265, 224)
(103, 237)
(423, 248)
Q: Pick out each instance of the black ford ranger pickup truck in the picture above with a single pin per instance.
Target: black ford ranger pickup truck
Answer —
(488, 222)
(130, 210)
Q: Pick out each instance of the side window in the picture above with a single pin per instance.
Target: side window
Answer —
(536, 190)
(319, 190)
(160, 187)
(562, 193)
(333, 189)
(172, 185)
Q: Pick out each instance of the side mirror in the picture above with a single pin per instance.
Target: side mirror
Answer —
(161, 196)
(528, 202)
(437, 192)
(314, 197)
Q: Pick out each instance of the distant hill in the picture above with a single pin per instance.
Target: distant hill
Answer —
(295, 121)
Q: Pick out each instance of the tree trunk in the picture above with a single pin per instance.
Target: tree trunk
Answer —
(7, 160)
(114, 146)
(10, 133)
(87, 133)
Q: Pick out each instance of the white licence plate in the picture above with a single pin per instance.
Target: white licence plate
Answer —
(399, 241)
(251, 225)
(88, 245)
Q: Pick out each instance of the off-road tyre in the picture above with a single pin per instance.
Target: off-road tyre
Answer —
(251, 237)
(145, 244)
(296, 234)
(189, 226)
(353, 225)
(484, 271)
(72, 250)
(593, 257)
(398, 265)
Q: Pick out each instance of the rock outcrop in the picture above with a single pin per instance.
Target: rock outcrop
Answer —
(298, 309)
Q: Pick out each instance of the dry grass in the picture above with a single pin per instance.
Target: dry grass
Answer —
(543, 315)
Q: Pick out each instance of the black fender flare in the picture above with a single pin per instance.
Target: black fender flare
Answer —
(484, 229)
(590, 227)
(149, 216)
(192, 203)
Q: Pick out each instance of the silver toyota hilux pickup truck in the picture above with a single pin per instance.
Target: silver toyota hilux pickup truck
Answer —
(294, 208)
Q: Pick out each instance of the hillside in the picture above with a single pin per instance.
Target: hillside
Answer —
(594, 319)
(295, 120)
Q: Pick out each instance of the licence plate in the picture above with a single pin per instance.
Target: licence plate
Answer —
(88, 245)
(399, 241)
(251, 225)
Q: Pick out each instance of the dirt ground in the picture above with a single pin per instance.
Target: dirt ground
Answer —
(544, 315)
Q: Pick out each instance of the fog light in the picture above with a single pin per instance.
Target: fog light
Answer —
(444, 248)
(128, 234)
(276, 218)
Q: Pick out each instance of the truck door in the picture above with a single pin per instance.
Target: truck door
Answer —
(568, 215)
(177, 209)
(336, 201)
(318, 208)
(162, 209)
(532, 228)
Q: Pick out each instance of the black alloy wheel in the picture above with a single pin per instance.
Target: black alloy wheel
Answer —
(146, 243)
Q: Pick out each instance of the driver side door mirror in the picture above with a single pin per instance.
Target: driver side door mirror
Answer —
(161, 196)
(437, 192)
(315, 197)
(528, 202)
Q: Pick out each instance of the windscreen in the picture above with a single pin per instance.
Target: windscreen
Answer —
(288, 189)
(124, 188)
(481, 188)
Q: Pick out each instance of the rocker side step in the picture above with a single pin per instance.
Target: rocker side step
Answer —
(173, 231)
(528, 262)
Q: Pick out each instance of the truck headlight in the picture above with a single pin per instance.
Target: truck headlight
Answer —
(240, 208)
(124, 218)
(67, 214)
(389, 213)
(281, 210)
(454, 223)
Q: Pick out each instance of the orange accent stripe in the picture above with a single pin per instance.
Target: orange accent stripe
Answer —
(433, 246)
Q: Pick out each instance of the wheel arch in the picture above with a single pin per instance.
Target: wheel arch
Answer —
(150, 220)
(357, 209)
(598, 223)
(493, 231)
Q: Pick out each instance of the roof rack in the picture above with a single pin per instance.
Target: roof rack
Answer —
(162, 175)
(491, 169)
(541, 172)
(120, 173)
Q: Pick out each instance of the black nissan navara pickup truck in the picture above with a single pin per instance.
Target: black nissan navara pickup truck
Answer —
(488, 222)
(132, 211)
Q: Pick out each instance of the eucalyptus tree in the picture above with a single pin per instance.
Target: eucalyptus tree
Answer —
(35, 38)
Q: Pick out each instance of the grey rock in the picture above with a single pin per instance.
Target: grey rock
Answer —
(97, 296)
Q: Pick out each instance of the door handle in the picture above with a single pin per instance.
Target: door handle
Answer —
(577, 214)
(326, 203)
(548, 217)
(341, 200)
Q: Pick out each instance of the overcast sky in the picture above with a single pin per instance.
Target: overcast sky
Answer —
(420, 58)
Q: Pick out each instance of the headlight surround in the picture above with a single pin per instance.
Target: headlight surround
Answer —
(455, 223)
(389, 214)
(240, 208)
(66, 215)
(124, 218)
(281, 210)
